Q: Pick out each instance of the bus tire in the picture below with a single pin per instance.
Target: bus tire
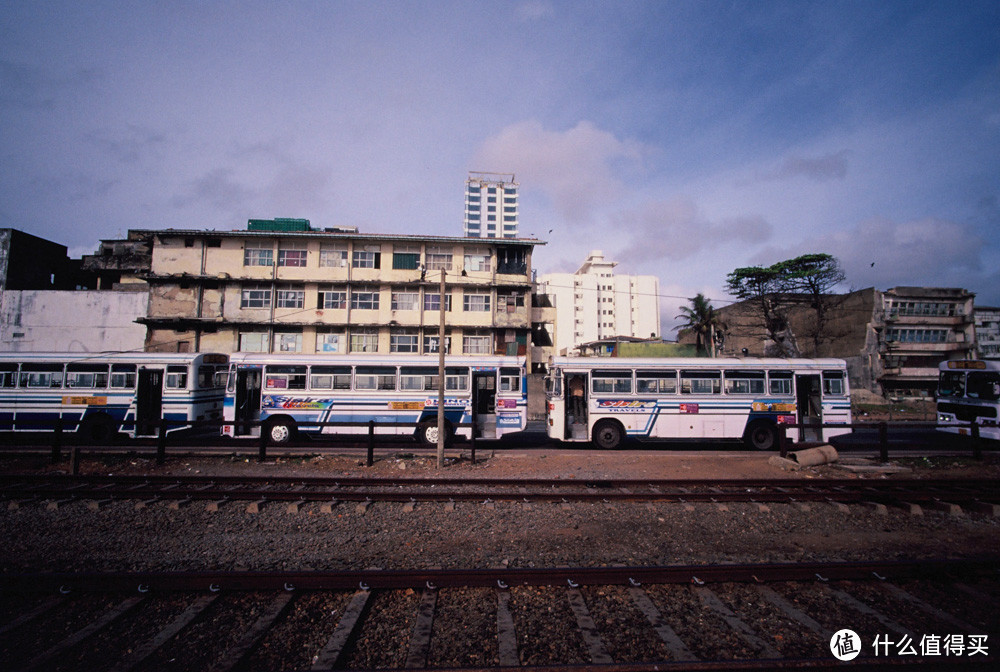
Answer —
(761, 435)
(427, 433)
(97, 428)
(280, 431)
(608, 434)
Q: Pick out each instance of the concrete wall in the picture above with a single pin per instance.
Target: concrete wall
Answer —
(72, 321)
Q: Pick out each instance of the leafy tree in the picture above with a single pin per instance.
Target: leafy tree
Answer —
(703, 320)
(778, 287)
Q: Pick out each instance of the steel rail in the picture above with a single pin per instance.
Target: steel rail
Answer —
(391, 579)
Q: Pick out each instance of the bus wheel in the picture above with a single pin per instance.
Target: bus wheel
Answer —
(608, 434)
(762, 435)
(427, 433)
(98, 428)
(280, 431)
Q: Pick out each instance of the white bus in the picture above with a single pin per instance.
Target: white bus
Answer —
(969, 392)
(101, 394)
(607, 399)
(286, 393)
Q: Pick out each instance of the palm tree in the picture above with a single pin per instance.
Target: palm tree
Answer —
(703, 320)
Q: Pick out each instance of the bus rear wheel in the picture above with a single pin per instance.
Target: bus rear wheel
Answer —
(427, 433)
(608, 434)
(280, 431)
(762, 435)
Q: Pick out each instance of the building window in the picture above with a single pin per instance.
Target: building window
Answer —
(510, 303)
(332, 299)
(478, 262)
(512, 260)
(476, 344)
(364, 299)
(328, 341)
(405, 300)
(370, 257)
(404, 340)
(291, 298)
(288, 342)
(431, 344)
(901, 335)
(438, 258)
(252, 341)
(258, 255)
(333, 256)
(405, 257)
(476, 303)
(256, 297)
(433, 302)
(364, 340)
(292, 256)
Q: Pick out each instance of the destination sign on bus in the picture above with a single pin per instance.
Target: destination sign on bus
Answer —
(965, 364)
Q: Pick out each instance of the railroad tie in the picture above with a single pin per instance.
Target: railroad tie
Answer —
(588, 629)
(420, 641)
(347, 627)
(295, 507)
(912, 508)
(327, 507)
(255, 507)
(940, 615)
(506, 633)
(28, 616)
(712, 601)
(165, 635)
(791, 610)
(947, 507)
(43, 659)
(678, 650)
(235, 656)
(858, 605)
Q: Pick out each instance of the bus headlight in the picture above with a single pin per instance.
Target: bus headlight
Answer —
(946, 417)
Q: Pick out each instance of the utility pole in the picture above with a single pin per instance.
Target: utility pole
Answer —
(441, 384)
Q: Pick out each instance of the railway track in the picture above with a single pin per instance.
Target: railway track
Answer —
(953, 495)
(602, 618)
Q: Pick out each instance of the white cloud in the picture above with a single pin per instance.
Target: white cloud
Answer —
(573, 168)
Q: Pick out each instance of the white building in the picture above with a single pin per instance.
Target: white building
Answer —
(490, 205)
(594, 304)
(987, 332)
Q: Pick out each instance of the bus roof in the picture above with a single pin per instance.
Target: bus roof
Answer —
(373, 360)
(146, 357)
(696, 362)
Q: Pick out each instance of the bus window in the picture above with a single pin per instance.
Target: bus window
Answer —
(833, 383)
(744, 382)
(418, 378)
(330, 378)
(984, 385)
(617, 382)
(656, 382)
(208, 377)
(177, 376)
(553, 383)
(285, 378)
(375, 378)
(123, 376)
(701, 382)
(780, 383)
(8, 375)
(510, 379)
(456, 378)
(41, 375)
(94, 376)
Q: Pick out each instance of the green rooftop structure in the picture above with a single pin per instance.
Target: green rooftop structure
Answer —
(279, 224)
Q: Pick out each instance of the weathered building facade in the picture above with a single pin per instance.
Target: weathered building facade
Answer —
(336, 292)
(892, 341)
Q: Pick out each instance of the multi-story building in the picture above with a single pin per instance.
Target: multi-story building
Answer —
(988, 332)
(892, 341)
(594, 304)
(281, 290)
(490, 205)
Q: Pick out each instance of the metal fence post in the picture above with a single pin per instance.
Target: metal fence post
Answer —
(262, 450)
(472, 441)
(977, 442)
(57, 441)
(883, 441)
(371, 443)
(782, 441)
(161, 443)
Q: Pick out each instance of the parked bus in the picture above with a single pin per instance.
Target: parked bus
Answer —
(606, 400)
(101, 394)
(286, 393)
(969, 393)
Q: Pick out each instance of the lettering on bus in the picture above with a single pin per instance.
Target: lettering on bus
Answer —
(406, 405)
(689, 408)
(508, 420)
(506, 403)
(293, 403)
(85, 401)
(623, 403)
(432, 403)
(773, 407)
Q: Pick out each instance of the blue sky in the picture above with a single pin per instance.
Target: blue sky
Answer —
(685, 139)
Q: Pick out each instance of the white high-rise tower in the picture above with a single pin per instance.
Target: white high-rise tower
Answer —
(490, 205)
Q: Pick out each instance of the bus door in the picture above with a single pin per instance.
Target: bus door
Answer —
(484, 403)
(576, 405)
(248, 386)
(148, 401)
(809, 402)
